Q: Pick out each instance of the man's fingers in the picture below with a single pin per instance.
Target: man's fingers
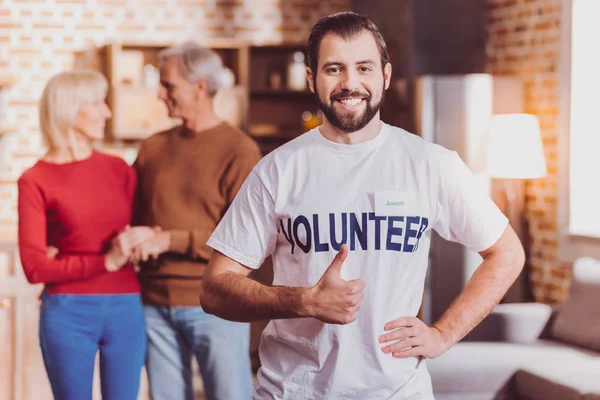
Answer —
(402, 322)
(351, 317)
(354, 309)
(402, 345)
(398, 334)
(143, 253)
(124, 244)
(356, 286)
(343, 253)
(338, 261)
(136, 254)
(412, 352)
(141, 234)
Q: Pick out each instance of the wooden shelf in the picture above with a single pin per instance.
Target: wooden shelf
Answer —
(213, 43)
(137, 112)
(279, 47)
(282, 135)
(281, 93)
(7, 129)
(7, 80)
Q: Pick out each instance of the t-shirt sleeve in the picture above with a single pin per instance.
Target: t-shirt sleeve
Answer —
(248, 232)
(465, 212)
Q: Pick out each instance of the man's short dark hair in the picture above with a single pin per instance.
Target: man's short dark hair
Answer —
(347, 25)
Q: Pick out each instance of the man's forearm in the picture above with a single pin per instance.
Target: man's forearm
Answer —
(238, 298)
(483, 292)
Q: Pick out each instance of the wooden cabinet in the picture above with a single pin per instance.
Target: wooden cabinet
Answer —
(131, 70)
(281, 104)
(270, 99)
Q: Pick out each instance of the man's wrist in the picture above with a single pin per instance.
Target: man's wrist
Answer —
(179, 240)
(306, 308)
(166, 241)
(445, 338)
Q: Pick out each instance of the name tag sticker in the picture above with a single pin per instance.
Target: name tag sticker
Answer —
(396, 203)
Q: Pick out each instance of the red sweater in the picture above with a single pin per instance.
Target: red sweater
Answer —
(78, 208)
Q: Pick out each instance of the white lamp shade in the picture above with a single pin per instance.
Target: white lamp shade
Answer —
(515, 148)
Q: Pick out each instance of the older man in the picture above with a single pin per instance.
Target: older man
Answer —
(188, 177)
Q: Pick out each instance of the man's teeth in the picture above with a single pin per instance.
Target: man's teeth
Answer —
(350, 102)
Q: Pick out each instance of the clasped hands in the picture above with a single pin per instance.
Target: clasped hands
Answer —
(336, 301)
(132, 244)
(135, 244)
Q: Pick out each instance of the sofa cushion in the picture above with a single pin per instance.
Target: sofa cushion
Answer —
(571, 377)
(578, 318)
(486, 367)
(473, 367)
(534, 387)
(512, 322)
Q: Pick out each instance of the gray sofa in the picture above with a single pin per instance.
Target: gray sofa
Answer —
(529, 350)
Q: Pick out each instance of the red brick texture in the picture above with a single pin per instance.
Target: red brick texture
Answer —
(524, 40)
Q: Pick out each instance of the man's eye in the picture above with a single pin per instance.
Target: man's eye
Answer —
(365, 69)
(333, 70)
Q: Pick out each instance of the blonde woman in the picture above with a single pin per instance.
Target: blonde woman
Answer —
(79, 201)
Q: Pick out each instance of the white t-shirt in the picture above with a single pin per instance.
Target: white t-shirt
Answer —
(382, 197)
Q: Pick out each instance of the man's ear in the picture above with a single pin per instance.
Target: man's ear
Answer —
(387, 75)
(202, 86)
(310, 78)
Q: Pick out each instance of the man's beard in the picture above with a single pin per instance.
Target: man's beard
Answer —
(347, 121)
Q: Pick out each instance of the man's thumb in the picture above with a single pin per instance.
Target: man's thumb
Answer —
(338, 261)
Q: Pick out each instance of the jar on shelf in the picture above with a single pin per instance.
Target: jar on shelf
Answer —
(296, 73)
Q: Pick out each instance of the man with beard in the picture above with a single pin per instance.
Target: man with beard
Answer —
(368, 196)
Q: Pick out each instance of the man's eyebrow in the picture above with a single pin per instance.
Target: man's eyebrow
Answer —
(332, 63)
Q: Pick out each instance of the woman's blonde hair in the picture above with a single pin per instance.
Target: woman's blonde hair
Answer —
(63, 95)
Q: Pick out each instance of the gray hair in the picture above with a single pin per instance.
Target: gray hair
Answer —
(197, 62)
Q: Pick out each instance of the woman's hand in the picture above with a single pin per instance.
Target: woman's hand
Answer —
(124, 244)
(51, 252)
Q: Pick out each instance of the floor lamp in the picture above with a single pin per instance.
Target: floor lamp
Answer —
(515, 153)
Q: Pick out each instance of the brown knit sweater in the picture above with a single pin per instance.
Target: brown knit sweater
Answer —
(186, 182)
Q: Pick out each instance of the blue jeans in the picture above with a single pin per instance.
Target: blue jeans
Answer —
(73, 328)
(221, 348)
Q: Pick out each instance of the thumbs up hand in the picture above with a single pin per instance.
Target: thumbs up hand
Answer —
(334, 300)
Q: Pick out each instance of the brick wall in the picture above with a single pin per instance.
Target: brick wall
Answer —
(524, 40)
(38, 38)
